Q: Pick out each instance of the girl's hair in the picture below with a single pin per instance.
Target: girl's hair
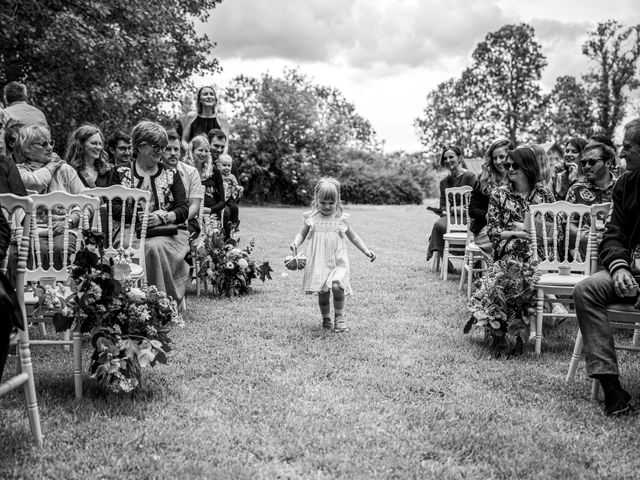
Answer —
(543, 162)
(74, 154)
(199, 102)
(26, 137)
(489, 176)
(327, 188)
(555, 148)
(455, 149)
(196, 142)
(526, 160)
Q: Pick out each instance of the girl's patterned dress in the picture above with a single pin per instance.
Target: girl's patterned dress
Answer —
(327, 259)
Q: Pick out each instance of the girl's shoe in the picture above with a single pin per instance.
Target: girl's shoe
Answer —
(340, 326)
(327, 324)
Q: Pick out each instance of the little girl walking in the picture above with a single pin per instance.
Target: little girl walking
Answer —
(327, 269)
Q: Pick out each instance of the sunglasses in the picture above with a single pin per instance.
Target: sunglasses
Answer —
(511, 166)
(156, 148)
(123, 149)
(45, 144)
(590, 162)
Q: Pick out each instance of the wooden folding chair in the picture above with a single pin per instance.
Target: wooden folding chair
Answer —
(21, 228)
(41, 267)
(457, 207)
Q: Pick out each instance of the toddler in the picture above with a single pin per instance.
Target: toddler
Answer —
(232, 189)
(327, 271)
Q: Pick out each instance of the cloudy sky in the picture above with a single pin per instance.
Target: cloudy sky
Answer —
(386, 55)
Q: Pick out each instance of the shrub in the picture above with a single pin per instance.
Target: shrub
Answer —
(381, 189)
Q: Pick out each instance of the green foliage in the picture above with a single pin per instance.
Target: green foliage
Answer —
(287, 132)
(110, 63)
(615, 51)
(567, 111)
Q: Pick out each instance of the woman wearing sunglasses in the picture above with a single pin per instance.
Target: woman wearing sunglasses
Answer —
(451, 159)
(164, 254)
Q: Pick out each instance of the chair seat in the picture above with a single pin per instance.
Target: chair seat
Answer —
(555, 279)
(456, 237)
(31, 299)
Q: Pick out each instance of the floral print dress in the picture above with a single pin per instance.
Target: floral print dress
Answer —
(506, 208)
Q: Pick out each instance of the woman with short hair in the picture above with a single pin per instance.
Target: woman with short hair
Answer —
(164, 254)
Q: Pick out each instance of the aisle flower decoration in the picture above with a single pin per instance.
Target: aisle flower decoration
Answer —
(504, 302)
(228, 268)
(129, 326)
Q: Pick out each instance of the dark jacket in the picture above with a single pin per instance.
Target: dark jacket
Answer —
(478, 206)
(10, 179)
(214, 191)
(622, 232)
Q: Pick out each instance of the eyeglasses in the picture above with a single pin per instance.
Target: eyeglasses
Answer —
(124, 149)
(511, 166)
(156, 148)
(46, 144)
(591, 162)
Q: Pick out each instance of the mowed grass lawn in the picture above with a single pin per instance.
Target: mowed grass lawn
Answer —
(255, 388)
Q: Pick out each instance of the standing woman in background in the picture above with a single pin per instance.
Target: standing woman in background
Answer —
(206, 117)
(492, 176)
(451, 159)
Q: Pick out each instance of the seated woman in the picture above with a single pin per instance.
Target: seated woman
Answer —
(85, 152)
(42, 171)
(492, 176)
(164, 254)
(199, 156)
(567, 172)
(451, 158)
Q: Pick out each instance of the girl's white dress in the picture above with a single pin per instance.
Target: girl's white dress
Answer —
(327, 259)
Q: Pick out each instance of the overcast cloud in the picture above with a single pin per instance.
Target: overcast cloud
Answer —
(386, 55)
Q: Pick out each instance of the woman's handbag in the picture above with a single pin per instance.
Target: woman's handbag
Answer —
(166, 230)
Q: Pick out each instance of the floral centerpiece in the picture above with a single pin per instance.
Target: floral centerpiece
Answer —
(504, 303)
(129, 326)
(228, 268)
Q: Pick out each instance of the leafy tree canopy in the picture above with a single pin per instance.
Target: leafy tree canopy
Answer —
(107, 62)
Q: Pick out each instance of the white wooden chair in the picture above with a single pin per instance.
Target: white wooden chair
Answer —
(561, 264)
(457, 207)
(41, 268)
(621, 315)
(20, 231)
(120, 236)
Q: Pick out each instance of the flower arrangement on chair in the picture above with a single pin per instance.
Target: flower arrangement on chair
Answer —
(229, 268)
(129, 326)
(504, 303)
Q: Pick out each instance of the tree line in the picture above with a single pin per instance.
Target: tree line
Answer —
(500, 94)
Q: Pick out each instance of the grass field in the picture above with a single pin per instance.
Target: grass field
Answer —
(255, 388)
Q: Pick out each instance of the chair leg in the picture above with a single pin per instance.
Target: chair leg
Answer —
(467, 267)
(575, 358)
(595, 389)
(66, 336)
(539, 310)
(30, 388)
(445, 261)
(43, 329)
(636, 335)
(77, 363)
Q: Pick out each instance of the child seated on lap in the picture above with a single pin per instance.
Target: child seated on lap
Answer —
(232, 189)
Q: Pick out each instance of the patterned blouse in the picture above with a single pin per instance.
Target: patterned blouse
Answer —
(507, 207)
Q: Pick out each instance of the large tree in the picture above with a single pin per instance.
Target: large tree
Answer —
(614, 50)
(287, 131)
(508, 66)
(107, 62)
(567, 111)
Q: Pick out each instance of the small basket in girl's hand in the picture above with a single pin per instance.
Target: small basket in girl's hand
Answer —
(295, 262)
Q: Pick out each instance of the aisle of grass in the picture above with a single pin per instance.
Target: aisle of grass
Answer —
(255, 388)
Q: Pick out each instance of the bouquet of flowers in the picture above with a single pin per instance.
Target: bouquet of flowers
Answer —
(129, 326)
(228, 268)
(504, 303)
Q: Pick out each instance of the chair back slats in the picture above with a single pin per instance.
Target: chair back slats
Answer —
(457, 207)
(559, 237)
(50, 209)
(124, 208)
(19, 211)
